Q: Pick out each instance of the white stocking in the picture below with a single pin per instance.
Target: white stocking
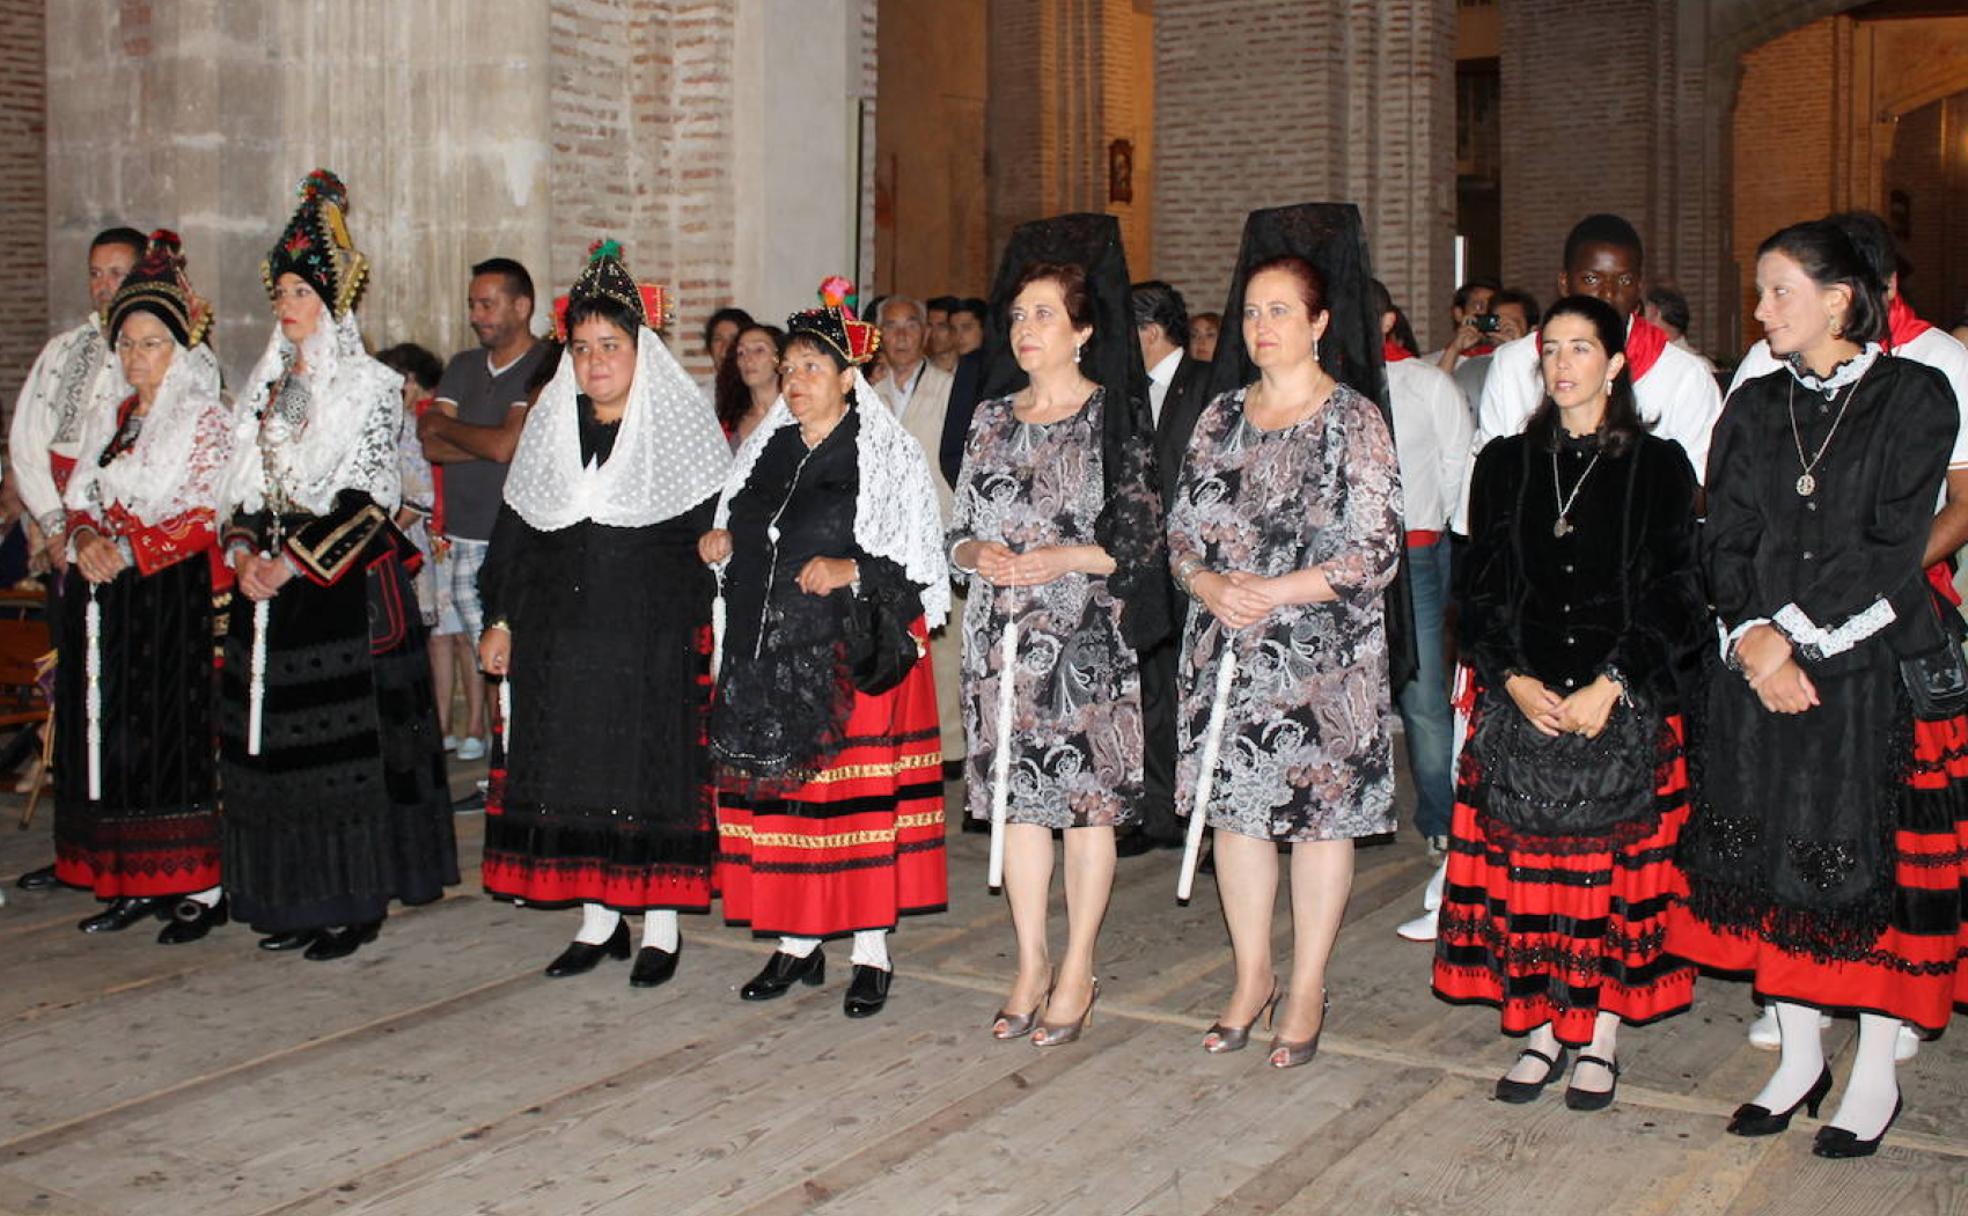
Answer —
(798, 947)
(1803, 1057)
(871, 949)
(209, 897)
(1873, 1088)
(659, 930)
(597, 924)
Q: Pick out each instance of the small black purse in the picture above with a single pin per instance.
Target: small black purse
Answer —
(880, 649)
(1936, 680)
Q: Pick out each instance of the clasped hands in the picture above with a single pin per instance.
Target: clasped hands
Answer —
(260, 578)
(998, 565)
(1584, 712)
(1770, 667)
(98, 557)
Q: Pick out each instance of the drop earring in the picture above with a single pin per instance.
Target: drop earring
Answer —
(1076, 354)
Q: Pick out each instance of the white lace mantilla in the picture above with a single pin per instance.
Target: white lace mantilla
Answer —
(181, 450)
(346, 440)
(670, 456)
(896, 511)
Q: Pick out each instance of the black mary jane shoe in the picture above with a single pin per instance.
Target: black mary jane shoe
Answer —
(191, 920)
(1593, 1099)
(580, 957)
(1837, 1143)
(653, 967)
(781, 972)
(42, 879)
(340, 941)
(283, 943)
(1520, 1092)
(121, 914)
(1753, 1120)
(867, 991)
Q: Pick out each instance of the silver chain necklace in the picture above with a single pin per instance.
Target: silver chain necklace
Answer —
(1563, 527)
(1806, 483)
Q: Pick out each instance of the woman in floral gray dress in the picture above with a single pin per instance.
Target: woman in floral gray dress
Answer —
(1285, 531)
(1023, 532)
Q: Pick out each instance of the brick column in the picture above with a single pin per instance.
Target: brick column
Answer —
(24, 319)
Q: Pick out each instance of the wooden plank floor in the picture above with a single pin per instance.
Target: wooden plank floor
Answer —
(437, 1072)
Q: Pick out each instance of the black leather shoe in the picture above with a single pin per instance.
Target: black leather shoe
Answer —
(781, 971)
(1837, 1142)
(191, 920)
(580, 957)
(281, 943)
(42, 879)
(1753, 1120)
(653, 967)
(1519, 1092)
(867, 992)
(341, 941)
(121, 914)
(1593, 1099)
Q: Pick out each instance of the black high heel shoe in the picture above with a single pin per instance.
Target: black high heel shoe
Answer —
(281, 943)
(1753, 1120)
(867, 991)
(121, 914)
(191, 920)
(1836, 1142)
(340, 941)
(781, 972)
(653, 966)
(580, 957)
(1519, 1092)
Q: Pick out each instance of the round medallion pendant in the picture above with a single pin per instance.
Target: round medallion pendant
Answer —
(1562, 528)
(1807, 485)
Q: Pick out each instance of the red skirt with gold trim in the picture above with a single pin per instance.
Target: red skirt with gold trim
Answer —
(857, 846)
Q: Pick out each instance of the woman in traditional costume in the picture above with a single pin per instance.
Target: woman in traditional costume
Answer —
(1058, 528)
(136, 812)
(830, 814)
(598, 615)
(336, 800)
(1581, 611)
(1824, 853)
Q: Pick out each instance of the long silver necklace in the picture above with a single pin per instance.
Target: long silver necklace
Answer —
(1563, 527)
(1807, 484)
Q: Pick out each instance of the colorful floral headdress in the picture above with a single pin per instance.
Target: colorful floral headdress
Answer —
(835, 324)
(607, 277)
(157, 285)
(316, 245)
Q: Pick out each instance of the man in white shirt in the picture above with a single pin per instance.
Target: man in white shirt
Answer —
(1675, 394)
(918, 392)
(1908, 337)
(49, 416)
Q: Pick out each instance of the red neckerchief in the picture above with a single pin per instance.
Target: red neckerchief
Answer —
(1392, 351)
(1479, 350)
(1644, 343)
(1902, 326)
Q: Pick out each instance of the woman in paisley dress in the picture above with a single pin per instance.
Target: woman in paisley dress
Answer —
(1024, 533)
(1285, 532)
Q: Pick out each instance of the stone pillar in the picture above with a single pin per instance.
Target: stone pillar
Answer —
(24, 319)
(202, 115)
(1260, 105)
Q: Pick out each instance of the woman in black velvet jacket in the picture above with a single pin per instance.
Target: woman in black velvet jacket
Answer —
(1581, 612)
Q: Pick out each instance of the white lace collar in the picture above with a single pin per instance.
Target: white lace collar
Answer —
(171, 468)
(670, 455)
(1851, 371)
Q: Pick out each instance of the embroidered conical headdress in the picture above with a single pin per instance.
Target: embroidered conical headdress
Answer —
(316, 245)
(157, 285)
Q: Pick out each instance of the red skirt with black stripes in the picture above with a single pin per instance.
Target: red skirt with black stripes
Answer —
(1561, 929)
(860, 843)
(1913, 970)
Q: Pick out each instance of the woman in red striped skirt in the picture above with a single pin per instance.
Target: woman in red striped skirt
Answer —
(824, 725)
(1825, 856)
(1581, 613)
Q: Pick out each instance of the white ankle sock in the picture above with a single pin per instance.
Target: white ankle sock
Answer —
(870, 949)
(597, 924)
(209, 897)
(1873, 1086)
(798, 947)
(659, 930)
(1803, 1057)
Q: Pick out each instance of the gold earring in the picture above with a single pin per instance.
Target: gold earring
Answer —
(1837, 327)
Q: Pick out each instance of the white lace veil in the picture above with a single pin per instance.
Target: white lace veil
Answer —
(179, 454)
(670, 456)
(347, 441)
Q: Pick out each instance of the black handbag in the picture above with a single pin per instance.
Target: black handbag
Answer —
(1569, 785)
(880, 648)
(1936, 680)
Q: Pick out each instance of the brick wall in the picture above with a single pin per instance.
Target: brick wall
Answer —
(24, 317)
(1784, 140)
(1369, 119)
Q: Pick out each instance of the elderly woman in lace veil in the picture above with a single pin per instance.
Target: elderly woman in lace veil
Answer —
(830, 815)
(1058, 528)
(136, 813)
(598, 614)
(334, 771)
